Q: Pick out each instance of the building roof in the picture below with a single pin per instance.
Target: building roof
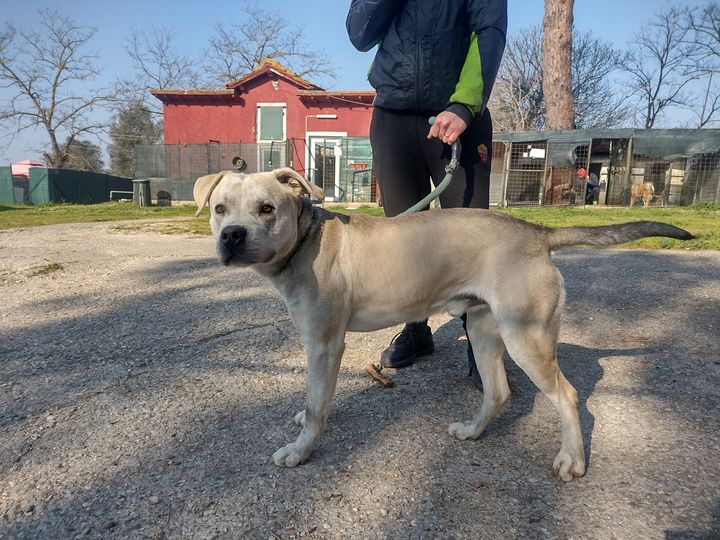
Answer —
(270, 66)
(356, 97)
(22, 168)
(200, 95)
(308, 92)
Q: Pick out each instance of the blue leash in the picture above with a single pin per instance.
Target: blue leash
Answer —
(450, 169)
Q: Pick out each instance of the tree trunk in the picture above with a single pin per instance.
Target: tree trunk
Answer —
(557, 62)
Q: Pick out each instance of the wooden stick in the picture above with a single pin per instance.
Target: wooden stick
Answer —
(374, 372)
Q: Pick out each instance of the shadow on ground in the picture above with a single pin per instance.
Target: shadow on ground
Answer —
(169, 395)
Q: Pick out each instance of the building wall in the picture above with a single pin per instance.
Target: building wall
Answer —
(235, 120)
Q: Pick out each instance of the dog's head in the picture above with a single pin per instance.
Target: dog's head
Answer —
(255, 218)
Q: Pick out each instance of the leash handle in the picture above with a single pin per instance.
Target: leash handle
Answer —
(450, 169)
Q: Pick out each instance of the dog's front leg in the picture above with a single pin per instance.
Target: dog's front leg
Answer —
(322, 373)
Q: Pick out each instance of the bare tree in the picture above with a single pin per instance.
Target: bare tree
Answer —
(46, 74)
(557, 62)
(597, 102)
(518, 102)
(157, 64)
(658, 65)
(704, 23)
(240, 47)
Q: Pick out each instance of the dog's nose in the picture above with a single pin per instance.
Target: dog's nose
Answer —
(233, 235)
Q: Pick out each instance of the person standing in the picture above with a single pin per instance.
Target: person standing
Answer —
(434, 58)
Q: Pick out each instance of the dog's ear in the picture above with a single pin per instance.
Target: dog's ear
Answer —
(297, 183)
(204, 187)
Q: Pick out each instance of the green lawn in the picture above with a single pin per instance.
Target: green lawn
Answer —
(702, 220)
(51, 214)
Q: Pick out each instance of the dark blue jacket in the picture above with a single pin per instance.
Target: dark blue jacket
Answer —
(432, 53)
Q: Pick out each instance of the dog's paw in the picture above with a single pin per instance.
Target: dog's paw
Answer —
(300, 418)
(464, 430)
(288, 456)
(568, 468)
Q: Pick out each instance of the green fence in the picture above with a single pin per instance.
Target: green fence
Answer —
(7, 193)
(68, 185)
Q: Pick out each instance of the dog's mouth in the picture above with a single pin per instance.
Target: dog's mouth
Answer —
(243, 257)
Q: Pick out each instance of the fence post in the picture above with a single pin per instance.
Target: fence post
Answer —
(506, 171)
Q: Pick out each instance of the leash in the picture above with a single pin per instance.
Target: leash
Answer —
(450, 169)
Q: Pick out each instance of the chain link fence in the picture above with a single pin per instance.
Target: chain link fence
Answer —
(649, 167)
(630, 167)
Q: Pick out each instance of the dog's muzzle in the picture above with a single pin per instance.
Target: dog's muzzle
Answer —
(232, 238)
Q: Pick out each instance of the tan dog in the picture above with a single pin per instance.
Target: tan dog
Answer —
(646, 191)
(359, 273)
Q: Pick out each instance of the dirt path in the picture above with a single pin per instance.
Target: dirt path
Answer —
(143, 389)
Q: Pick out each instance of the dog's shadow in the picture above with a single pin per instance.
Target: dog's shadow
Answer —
(580, 365)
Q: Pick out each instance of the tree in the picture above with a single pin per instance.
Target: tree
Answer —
(518, 101)
(46, 73)
(157, 64)
(131, 126)
(704, 23)
(240, 47)
(597, 103)
(82, 156)
(557, 61)
(660, 66)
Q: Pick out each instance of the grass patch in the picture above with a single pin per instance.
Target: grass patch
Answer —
(15, 216)
(702, 220)
(190, 227)
(45, 269)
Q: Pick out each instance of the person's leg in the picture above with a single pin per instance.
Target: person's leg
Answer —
(398, 162)
(470, 186)
(404, 179)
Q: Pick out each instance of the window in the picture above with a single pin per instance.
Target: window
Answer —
(271, 122)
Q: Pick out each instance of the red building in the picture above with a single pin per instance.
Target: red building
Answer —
(268, 106)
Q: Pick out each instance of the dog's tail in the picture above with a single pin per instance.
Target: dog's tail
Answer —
(608, 235)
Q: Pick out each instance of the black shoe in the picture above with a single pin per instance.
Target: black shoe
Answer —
(415, 340)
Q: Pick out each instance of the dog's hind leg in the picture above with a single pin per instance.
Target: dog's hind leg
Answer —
(323, 366)
(488, 348)
(532, 346)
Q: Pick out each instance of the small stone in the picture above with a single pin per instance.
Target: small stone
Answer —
(154, 500)
(109, 525)
(50, 420)
(383, 512)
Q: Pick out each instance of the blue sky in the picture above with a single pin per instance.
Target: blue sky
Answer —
(322, 21)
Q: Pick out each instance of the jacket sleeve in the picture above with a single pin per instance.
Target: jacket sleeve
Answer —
(368, 21)
(488, 21)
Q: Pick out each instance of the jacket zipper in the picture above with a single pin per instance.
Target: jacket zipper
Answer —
(418, 60)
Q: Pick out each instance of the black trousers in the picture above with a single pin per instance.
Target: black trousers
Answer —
(404, 160)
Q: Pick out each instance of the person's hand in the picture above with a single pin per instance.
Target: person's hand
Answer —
(448, 127)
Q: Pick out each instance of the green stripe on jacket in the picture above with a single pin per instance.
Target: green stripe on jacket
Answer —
(469, 89)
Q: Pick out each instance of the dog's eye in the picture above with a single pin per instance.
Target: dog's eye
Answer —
(219, 208)
(266, 209)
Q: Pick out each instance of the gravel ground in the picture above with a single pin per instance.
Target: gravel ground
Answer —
(143, 389)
